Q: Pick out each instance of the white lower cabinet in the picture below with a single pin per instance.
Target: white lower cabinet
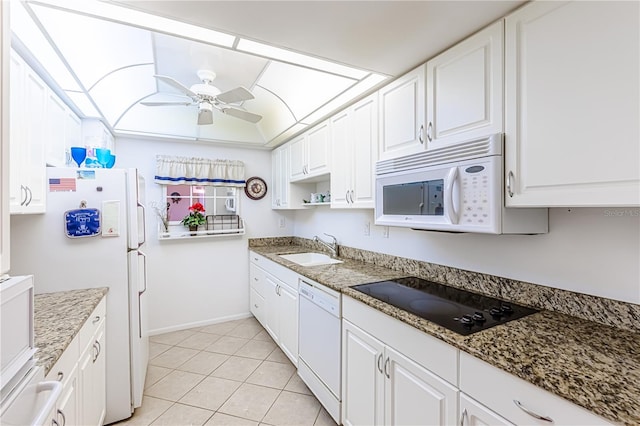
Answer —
(381, 384)
(475, 414)
(520, 402)
(92, 380)
(273, 291)
(82, 370)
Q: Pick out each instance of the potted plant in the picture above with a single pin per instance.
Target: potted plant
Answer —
(195, 217)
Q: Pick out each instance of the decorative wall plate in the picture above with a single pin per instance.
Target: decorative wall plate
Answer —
(256, 188)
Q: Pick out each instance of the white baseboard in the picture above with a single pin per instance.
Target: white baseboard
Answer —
(199, 324)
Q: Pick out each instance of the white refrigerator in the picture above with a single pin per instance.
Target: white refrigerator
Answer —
(66, 257)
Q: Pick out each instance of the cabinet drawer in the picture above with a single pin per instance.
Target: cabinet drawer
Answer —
(92, 324)
(498, 390)
(284, 274)
(257, 279)
(62, 370)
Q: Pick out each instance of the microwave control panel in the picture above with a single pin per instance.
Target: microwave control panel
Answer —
(476, 195)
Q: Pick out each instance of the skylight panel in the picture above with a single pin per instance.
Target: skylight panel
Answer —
(300, 59)
(33, 40)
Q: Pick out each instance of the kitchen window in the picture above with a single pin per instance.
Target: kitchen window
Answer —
(221, 210)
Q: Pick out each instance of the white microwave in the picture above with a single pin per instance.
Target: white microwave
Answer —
(458, 188)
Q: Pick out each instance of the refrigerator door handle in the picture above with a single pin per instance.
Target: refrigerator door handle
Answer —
(144, 225)
(144, 272)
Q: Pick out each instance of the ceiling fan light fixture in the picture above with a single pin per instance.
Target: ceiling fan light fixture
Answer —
(205, 113)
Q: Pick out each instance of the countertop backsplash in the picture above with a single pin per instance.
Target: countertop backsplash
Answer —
(609, 312)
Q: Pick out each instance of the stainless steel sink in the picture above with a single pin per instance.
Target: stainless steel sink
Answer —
(310, 259)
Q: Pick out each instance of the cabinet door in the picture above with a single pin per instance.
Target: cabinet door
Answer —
(34, 171)
(67, 407)
(288, 322)
(298, 158)
(365, 152)
(414, 396)
(572, 104)
(342, 150)
(92, 381)
(464, 89)
(318, 150)
(5, 191)
(362, 377)
(56, 120)
(402, 115)
(475, 414)
(17, 193)
(271, 300)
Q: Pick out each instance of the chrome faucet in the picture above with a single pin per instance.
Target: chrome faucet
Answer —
(332, 247)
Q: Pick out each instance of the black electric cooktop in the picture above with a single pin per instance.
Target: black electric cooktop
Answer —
(457, 310)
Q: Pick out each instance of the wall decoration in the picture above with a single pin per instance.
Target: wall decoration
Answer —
(256, 188)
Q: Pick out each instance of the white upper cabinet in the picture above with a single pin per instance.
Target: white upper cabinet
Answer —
(465, 89)
(310, 154)
(280, 178)
(402, 115)
(572, 104)
(4, 139)
(28, 100)
(63, 129)
(354, 136)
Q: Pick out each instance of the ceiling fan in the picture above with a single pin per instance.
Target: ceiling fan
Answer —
(207, 97)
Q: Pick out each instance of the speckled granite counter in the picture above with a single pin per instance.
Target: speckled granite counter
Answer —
(58, 317)
(590, 364)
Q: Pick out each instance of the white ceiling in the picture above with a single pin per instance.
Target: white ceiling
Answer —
(388, 37)
(382, 37)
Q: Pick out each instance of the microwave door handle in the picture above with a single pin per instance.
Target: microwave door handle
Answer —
(452, 178)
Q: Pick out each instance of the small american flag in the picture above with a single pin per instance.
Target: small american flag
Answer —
(62, 184)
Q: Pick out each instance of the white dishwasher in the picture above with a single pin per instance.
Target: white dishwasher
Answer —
(319, 362)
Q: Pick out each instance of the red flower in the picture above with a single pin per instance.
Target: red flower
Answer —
(197, 207)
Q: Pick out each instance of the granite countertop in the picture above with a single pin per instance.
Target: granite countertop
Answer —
(58, 317)
(590, 364)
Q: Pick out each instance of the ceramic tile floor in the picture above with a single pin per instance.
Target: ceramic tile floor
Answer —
(230, 373)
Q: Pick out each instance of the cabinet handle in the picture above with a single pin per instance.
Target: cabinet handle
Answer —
(420, 132)
(255, 305)
(96, 319)
(531, 413)
(64, 419)
(386, 368)
(30, 196)
(255, 278)
(97, 347)
(429, 130)
(510, 178)
(54, 422)
(463, 417)
(351, 196)
(380, 363)
(23, 199)
(60, 376)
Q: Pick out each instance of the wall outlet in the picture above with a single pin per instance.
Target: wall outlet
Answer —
(281, 222)
(385, 232)
(367, 229)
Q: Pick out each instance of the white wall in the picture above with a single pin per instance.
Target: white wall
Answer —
(199, 281)
(588, 250)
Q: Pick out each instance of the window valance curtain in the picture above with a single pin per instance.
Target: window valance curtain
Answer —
(198, 171)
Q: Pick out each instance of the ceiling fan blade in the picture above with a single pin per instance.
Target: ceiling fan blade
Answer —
(177, 85)
(166, 103)
(243, 115)
(238, 94)
(205, 116)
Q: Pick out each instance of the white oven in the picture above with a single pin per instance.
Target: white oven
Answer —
(319, 362)
(458, 188)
